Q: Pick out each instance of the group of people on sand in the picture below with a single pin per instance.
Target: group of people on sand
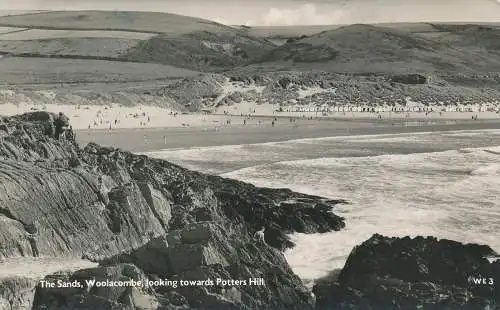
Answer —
(100, 120)
(59, 127)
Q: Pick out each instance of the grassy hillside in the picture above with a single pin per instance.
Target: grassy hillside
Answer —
(16, 71)
(160, 38)
(204, 51)
(285, 31)
(474, 38)
(85, 47)
(297, 31)
(202, 45)
(368, 48)
(113, 20)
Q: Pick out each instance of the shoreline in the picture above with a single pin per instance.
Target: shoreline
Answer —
(153, 139)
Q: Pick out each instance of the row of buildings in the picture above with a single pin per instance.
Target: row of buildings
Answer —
(408, 107)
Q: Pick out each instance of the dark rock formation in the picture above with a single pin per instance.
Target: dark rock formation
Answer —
(77, 293)
(132, 212)
(16, 293)
(420, 273)
(409, 79)
(207, 250)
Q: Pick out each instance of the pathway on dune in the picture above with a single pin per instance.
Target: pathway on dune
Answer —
(39, 267)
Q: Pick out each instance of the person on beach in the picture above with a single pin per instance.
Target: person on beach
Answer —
(50, 128)
(70, 134)
(60, 124)
(259, 235)
(31, 229)
(272, 123)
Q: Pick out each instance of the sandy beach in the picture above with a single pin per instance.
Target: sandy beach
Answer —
(142, 116)
(151, 139)
(147, 128)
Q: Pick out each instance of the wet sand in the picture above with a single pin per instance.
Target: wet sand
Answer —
(151, 139)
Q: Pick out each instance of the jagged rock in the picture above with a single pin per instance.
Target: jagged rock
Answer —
(236, 97)
(83, 295)
(420, 273)
(207, 250)
(17, 293)
(116, 207)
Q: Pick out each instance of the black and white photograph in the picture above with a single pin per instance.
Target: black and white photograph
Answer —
(253, 155)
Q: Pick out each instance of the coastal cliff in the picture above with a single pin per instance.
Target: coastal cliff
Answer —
(146, 218)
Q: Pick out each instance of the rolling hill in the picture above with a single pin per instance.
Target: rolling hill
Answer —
(368, 48)
(190, 60)
(204, 51)
(146, 37)
(148, 22)
(206, 46)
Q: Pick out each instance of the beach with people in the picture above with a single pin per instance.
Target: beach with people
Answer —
(145, 128)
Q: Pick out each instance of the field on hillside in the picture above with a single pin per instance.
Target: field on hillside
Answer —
(86, 47)
(5, 30)
(17, 12)
(42, 34)
(113, 20)
(297, 31)
(286, 31)
(86, 43)
(17, 70)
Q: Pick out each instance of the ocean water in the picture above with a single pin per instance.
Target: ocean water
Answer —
(444, 184)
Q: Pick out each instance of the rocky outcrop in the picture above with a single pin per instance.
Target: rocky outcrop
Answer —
(83, 290)
(419, 273)
(236, 272)
(409, 79)
(17, 293)
(144, 218)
